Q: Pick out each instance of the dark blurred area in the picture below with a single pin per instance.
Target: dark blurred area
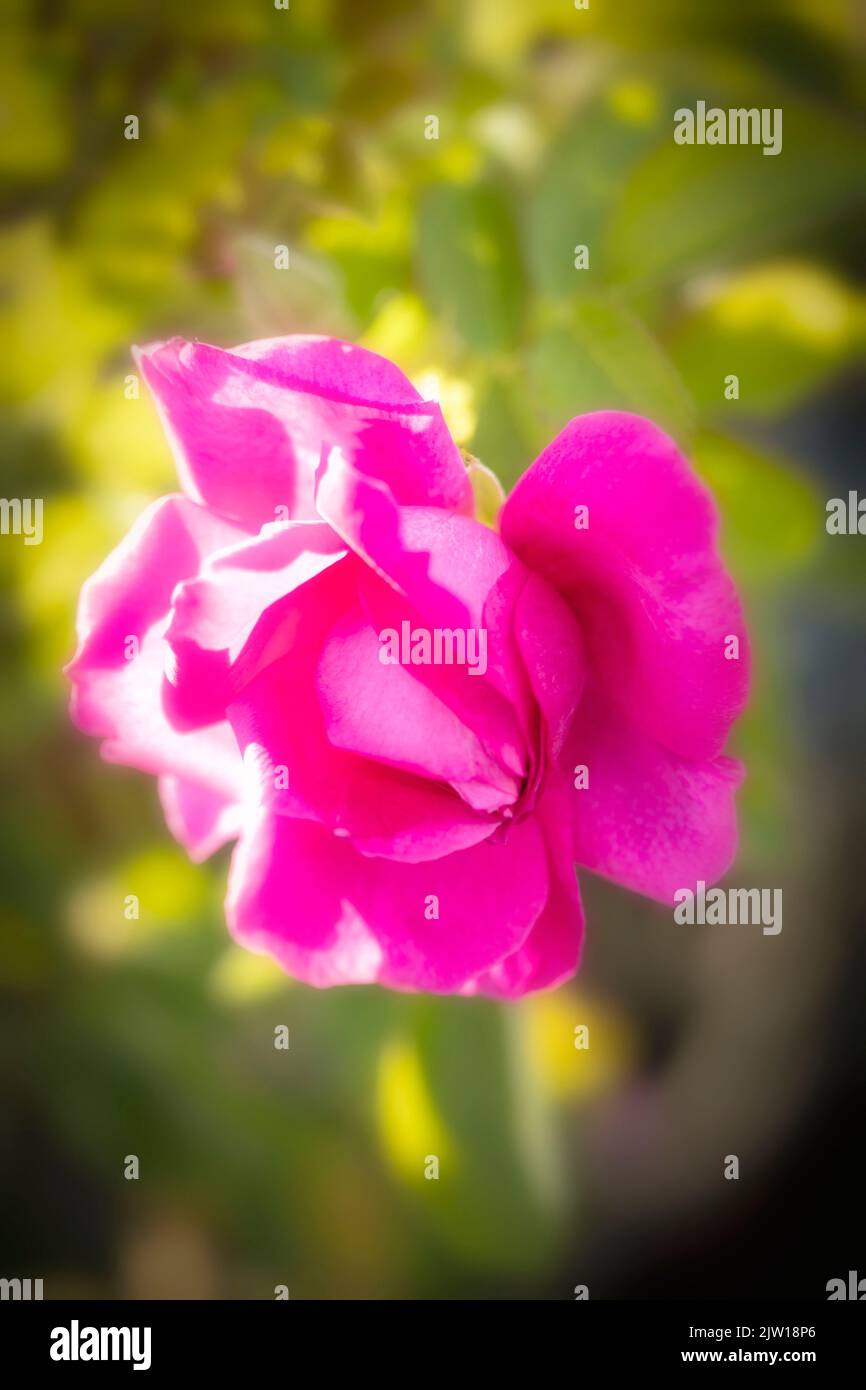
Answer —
(309, 128)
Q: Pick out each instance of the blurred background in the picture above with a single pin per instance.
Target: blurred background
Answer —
(307, 127)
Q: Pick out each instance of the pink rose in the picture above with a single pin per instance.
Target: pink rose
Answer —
(413, 725)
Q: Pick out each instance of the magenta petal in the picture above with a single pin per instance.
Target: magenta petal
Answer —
(131, 591)
(332, 916)
(328, 367)
(117, 694)
(294, 767)
(551, 952)
(248, 427)
(549, 956)
(364, 512)
(644, 578)
(435, 569)
(551, 645)
(234, 616)
(383, 712)
(199, 819)
(648, 819)
(447, 565)
(296, 770)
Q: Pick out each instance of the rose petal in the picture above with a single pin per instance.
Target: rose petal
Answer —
(332, 916)
(279, 723)
(248, 427)
(197, 818)
(120, 699)
(383, 712)
(434, 569)
(648, 819)
(644, 578)
(551, 645)
(551, 952)
(235, 615)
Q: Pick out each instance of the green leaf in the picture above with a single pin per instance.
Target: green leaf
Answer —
(584, 173)
(505, 436)
(687, 207)
(603, 358)
(468, 263)
(781, 328)
(491, 1206)
(772, 516)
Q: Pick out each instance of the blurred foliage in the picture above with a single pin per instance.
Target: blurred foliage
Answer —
(305, 128)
